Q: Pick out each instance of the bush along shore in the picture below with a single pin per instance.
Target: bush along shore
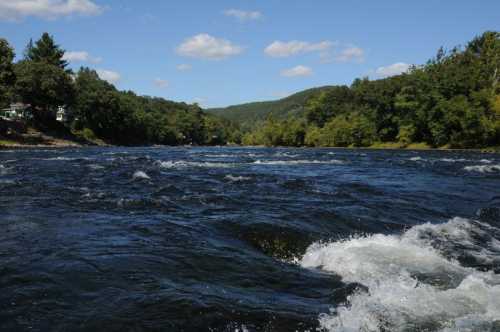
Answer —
(452, 101)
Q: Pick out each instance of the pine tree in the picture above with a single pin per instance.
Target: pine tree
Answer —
(46, 50)
(7, 77)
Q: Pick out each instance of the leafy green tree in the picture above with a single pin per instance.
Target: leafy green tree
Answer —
(47, 51)
(7, 76)
(313, 136)
(406, 134)
(97, 104)
(328, 104)
(294, 132)
(43, 86)
(215, 132)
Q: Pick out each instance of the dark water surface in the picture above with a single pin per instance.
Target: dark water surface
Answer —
(249, 239)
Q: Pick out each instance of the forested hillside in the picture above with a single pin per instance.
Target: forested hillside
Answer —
(98, 110)
(451, 101)
(251, 115)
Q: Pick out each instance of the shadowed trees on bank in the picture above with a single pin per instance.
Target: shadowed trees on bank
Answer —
(98, 109)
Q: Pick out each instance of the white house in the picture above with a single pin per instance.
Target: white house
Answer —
(16, 111)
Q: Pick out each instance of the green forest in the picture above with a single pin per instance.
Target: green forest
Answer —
(41, 79)
(250, 115)
(453, 101)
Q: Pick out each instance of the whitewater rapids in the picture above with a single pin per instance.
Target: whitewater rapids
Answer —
(414, 281)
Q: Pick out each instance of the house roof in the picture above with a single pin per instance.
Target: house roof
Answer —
(19, 105)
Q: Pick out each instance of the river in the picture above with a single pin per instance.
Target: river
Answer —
(249, 239)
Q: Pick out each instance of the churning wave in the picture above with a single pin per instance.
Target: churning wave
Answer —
(207, 164)
(186, 164)
(240, 178)
(450, 160)
(66, 159)
(140, 175)
(483, 168)
(415, 281)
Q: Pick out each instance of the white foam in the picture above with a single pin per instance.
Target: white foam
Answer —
(65, 158)
(140, 175)
(4, 170)
(285, 154)
(451, 160)
(483, 168)
(237, 178)
(411, 284)
(219, 155)
(186, 164)
(485, 161)
(297, 162)
(417, 159)
(96, 167)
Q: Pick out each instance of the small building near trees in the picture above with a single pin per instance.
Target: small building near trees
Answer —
(62, 114)
(16, 111)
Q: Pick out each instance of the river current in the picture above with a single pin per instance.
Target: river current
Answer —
(249, 239)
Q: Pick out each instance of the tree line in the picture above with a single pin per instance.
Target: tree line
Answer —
(42, 79)
(451, 101)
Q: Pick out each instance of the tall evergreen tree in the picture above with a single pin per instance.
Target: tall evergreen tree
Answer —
(47, 51)
(7, 77)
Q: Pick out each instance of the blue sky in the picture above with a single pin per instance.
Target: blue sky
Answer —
(224, 52)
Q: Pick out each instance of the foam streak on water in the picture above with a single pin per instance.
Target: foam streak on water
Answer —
(298, 162)
(412, 284)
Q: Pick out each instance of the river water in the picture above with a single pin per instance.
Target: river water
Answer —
(249, 239)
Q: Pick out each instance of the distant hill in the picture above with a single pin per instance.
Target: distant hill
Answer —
(250, 114)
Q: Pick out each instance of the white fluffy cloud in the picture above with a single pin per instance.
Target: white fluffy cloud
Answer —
(391, 70)
(298, 71)
(184, 67)
(160, 83)
(108, 75)
(80, 56)
(279, 49)
(204, 46)
(352, 53)
(243, 15)
(14, 10)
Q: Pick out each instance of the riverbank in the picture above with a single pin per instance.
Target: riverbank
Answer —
(390, 146)
(426, 147)
(36, 139)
